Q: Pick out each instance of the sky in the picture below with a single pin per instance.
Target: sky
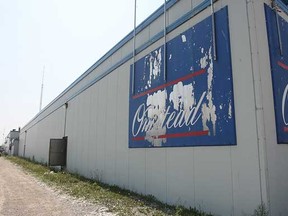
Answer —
(63, 38)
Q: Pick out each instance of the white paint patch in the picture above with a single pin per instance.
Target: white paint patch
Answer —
(204, 61)
(221, 107)
(157, 102)
(183, 38)
(230, 110)
(209, 109)
(170, 56)
(208, 115)
(155, 62)
(182, 97)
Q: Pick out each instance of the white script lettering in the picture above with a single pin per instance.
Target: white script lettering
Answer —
(284, 97)
(175, 119)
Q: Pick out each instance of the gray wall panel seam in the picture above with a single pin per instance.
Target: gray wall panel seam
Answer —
(252, 62)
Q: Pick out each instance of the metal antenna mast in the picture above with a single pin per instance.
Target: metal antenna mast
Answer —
(42, 85)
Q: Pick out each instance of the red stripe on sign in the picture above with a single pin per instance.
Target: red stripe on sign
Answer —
(138, 138)
(285, 129)
(186, 134)
(192, 133)
(197, 73)
(281, 64)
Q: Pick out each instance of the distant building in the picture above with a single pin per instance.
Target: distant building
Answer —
(11, 144)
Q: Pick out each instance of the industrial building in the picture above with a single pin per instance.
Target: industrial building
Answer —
(11, 143)
(190, 107)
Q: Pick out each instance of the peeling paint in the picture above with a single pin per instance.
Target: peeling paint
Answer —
(230, 110)
(182, 96)
(155, 61)
(157, 102)
(209, 109)
(184, 39)
(204, 61)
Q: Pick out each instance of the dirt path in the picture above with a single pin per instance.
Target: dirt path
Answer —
(22, 194)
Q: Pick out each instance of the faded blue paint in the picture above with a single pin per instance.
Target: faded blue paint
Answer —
(184, 54)
(279, 71)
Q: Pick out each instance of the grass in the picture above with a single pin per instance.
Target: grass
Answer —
(120, 201)
(261, 210)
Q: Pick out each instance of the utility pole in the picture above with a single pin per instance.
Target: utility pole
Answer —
(42, 85)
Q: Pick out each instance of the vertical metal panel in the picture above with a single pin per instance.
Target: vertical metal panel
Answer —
(91, 134)
(256, 28)
(122, 125)
(71, 133)
(21, 143)
(78, 138)
(86, 145)
(156, 173)
(96, 111)
(137, 171)
(84, 131)
(110, 129)
(212, 179)
(101, 116)
(179, 175)
(85, 141)
(244, 159)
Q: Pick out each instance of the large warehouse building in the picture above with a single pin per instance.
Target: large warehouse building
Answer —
(192, 109)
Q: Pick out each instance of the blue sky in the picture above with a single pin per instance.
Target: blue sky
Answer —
(65, 36)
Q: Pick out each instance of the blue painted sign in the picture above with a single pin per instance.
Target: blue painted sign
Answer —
(192, 104)
(279, 70)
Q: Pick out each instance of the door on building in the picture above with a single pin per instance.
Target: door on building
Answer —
(58, 152)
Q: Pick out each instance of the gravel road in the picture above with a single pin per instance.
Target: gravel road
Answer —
(22, 194)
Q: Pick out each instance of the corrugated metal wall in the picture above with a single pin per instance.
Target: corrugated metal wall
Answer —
(38, 136)
(226, 180)
(274, 158)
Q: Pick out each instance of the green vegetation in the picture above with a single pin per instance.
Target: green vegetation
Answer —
(261, 210)
(118, 200)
